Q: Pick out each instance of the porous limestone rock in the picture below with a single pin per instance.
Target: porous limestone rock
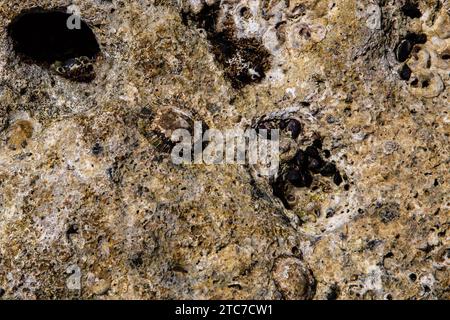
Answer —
(90, 207)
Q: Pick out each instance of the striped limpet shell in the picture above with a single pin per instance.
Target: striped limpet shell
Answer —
(159, 124)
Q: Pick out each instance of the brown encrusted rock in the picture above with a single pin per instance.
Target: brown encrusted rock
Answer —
(86, 190)
(293, 278)
(19, 133)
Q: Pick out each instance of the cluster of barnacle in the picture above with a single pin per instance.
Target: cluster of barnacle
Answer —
(247, 35)
(278, 22)
(244, 59)
(425, 56)
(297, 170)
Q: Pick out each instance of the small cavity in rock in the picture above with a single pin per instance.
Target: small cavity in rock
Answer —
(44, 37)
(405, 72)
(298, 172)
(411, 10)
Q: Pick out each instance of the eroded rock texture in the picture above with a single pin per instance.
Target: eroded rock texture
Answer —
(91, 205)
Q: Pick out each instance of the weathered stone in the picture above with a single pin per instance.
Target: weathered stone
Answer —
(88, 189)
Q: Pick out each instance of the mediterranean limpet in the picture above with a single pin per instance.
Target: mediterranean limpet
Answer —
(294, 280)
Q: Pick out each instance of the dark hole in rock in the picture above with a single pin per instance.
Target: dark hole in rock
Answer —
(425, 84)
(406, 45)
(416, 50)
(136, 260)
(244, 61)
(245, 13)
(44, 36)
(411, 10)
(328, 170)
(305, 32)
(427, 249)
(236, 286)
(298, 172)
(416, 38)
(446, 56)
(72, 229)
(333, 292)
(97, 149)
(405, 72)
(318, 143)
(330, 213)
(291, 198)
(337, 179)
(403, 50)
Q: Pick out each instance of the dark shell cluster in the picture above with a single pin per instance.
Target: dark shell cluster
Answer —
(406, 45)
(405, 48)
(300, 170)
(291, 127)
(411, 10)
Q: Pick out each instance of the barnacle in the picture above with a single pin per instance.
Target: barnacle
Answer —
(305, 32)
(427, 64)
(80, 69)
